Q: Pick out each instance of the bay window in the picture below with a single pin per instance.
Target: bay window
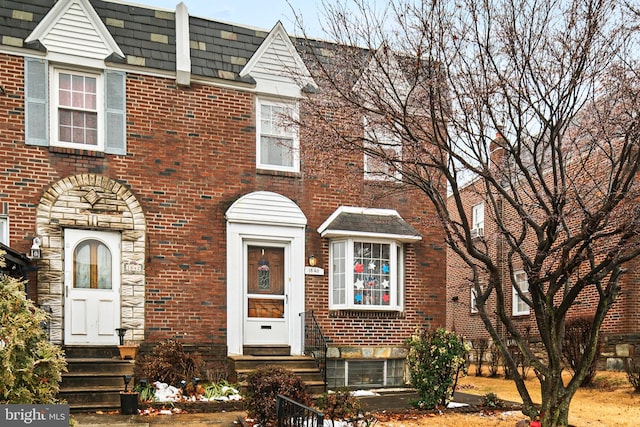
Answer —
(366, 274)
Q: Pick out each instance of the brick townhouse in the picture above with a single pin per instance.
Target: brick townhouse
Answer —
(142, 151)
(620, 332)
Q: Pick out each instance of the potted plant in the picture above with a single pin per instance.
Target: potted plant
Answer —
(128, 399)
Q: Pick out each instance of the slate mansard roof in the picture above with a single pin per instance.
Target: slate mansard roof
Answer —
(147, 37)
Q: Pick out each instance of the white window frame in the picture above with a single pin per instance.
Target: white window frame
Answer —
(519, 307)
(396, 276)
(376, 139)
(4, 230)
(295, 135)
(55, 103)
(477, 218)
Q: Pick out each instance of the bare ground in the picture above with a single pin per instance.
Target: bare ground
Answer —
(611, 402)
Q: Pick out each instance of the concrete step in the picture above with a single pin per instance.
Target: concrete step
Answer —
(94, 379)
(266, 350)
(88, 351)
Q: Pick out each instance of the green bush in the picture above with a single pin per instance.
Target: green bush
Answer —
(491, 400)
(169, 363)
(435, 360)
(30, 366)
(264, 384)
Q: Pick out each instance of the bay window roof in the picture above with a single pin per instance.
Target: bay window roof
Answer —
(368, 222)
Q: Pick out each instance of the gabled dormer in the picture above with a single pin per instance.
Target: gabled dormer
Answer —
(72, 99)
(280, 76)
(73, 28)
(277, 67)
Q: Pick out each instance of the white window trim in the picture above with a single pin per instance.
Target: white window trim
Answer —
(4, 227)
(516, 298)
(54, 106)
(294, 107)
(396, 275)
(393, 139)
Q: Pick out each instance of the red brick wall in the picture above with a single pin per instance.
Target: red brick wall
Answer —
(191, 154)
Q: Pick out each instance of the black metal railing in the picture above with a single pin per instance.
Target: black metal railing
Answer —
(293, 414)
(315, 344)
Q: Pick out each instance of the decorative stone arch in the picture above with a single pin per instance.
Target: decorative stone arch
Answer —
(91, 202)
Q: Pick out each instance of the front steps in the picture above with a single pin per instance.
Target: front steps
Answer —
(259, 356)
(94, 379)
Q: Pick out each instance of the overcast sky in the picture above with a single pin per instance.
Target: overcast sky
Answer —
(256, 13)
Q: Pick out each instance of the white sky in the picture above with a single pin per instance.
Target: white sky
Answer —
(255, 13)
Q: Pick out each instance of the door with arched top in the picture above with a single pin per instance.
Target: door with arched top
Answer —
(91, 287)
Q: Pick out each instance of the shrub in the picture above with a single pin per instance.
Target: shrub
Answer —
(632, 367)
(480, 346)
(264, 384)
(169, 363)
(340, 405)
(30, 366)
(491, 400)
(576, 339)
(494, 361)
(435, 360)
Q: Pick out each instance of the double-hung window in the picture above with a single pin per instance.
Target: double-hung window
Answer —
(477, 219)
(520, 307)
(75, 108)
(77, 114)
(278, 142)
(366, 274)
(382, 151)
(474, 300)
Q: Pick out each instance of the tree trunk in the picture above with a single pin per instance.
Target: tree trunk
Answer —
(555, 409)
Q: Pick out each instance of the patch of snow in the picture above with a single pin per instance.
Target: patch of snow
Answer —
(452, 405)
(358, 393)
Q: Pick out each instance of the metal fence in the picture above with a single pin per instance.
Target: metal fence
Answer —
(293, 414)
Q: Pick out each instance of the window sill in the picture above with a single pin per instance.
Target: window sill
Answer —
(76, 151)
(366, 314)
(286, 174)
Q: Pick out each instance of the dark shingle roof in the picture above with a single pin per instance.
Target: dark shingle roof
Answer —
(351, 222)
(218, 49)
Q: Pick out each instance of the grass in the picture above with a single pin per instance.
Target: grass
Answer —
(610, 402)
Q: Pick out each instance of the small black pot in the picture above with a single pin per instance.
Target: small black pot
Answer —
(129, 403)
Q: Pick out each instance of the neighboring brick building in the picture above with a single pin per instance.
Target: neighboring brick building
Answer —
(142, 148)
(620, 332)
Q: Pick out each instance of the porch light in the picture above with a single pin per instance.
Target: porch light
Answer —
(312, 260)
(121, 332)
(126, 379)
(35, 252)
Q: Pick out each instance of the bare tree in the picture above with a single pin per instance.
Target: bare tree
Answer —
(414, 93)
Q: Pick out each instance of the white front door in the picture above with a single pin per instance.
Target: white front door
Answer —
(91, 287)
(266, 313)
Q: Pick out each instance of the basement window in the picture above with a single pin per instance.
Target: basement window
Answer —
(365, 373)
